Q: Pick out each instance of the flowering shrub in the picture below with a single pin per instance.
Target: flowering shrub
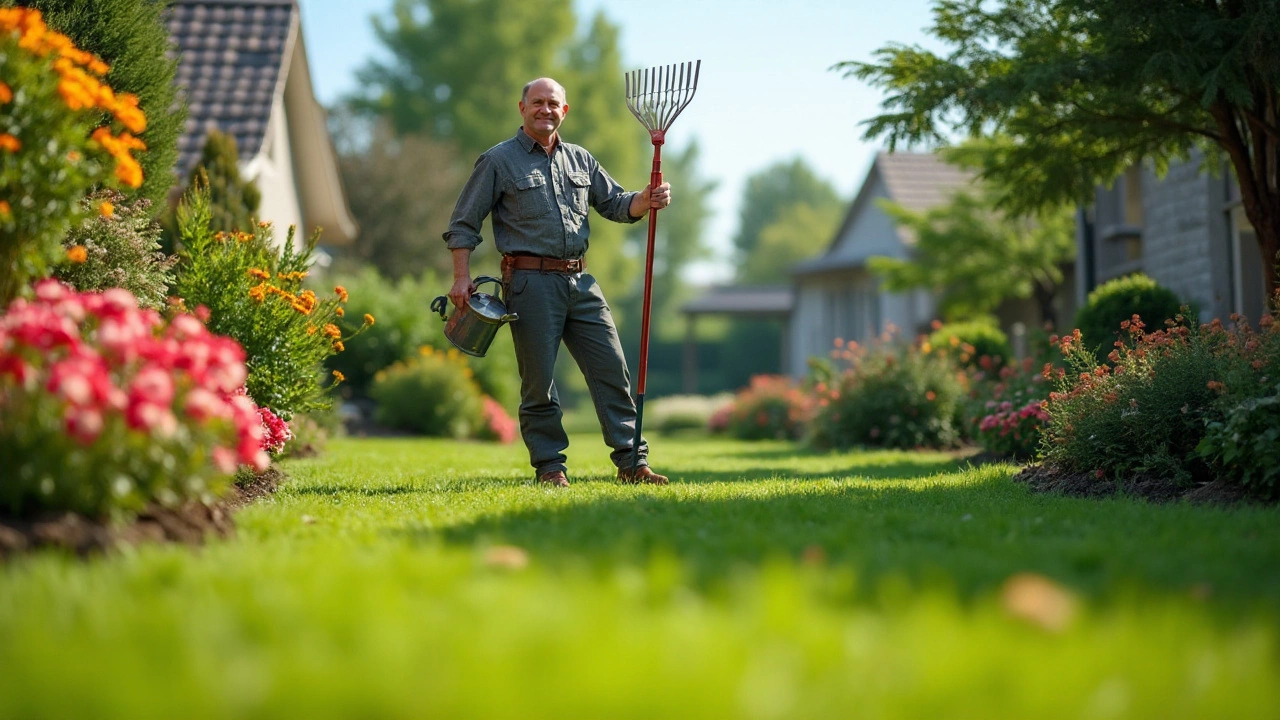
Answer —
(253, 292)
(104, 407)
(771, 407)
(498, 425)
(1243, 444)
(432, 394)
(1005, 414)
(1146, 411)
(118, 247)
(54, 148)
(888, 395)
(275, 432)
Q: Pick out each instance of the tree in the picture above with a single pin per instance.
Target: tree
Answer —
(400, 222)
(799, 232)
(975, 256)
(457, 66)
(129, 36)
(766, 197)
(1085, 88)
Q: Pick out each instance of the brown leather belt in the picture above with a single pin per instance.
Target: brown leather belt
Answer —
(542, 264)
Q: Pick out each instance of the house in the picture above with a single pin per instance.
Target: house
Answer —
(1187, 231)
(243, 69)
(835, 295)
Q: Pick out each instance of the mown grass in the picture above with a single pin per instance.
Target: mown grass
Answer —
(766, 583)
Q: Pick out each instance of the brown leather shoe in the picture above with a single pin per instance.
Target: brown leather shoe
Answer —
(555, 478)
(641, 475)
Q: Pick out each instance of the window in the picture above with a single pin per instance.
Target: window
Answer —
(1248, 284)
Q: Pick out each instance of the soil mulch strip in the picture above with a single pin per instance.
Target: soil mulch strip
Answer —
(189, 524)
(1151, 489)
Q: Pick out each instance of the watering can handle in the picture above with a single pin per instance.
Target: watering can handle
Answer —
(487, 279)
(441, 305)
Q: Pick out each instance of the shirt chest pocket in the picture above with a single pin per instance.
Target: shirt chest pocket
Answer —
(531, 196)
(580, 191)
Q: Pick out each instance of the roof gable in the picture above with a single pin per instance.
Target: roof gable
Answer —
(232, 56)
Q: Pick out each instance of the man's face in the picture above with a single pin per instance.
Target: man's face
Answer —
(543, 109)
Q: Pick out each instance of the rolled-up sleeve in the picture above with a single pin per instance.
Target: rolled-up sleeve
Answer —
(475, 202)
(608, 197)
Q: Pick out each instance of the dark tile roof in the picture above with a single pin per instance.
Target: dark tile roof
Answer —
(231, 53)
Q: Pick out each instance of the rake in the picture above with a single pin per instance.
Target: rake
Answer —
(656, 97)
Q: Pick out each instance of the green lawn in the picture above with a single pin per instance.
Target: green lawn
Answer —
(765, 583)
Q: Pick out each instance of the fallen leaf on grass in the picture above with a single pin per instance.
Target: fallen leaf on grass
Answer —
(1038, 600)
(506, 556)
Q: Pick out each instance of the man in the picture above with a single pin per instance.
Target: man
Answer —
(539, 190)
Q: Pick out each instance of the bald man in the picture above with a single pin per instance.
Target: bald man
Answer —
(539, 189)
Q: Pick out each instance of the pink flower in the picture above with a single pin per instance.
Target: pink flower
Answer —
(84, 424)
(154, 385)
(224, 459)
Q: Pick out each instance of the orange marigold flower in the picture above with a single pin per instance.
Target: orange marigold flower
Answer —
(368, 319)
(311, 329)
(301, 307)
(338, 346)
(4, 208)
(10, 143)
(259, 273)
(6, 93)
(342, 293)
(331, 330)
(106, 209)
(338, 377)
(77, 254)
(339, 311)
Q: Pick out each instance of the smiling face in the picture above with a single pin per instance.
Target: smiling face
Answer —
(543, 108)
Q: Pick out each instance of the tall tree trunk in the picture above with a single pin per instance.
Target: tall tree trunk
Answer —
(1044, 298)
(1255, 155)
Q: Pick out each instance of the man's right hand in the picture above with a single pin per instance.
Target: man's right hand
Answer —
(461, 290)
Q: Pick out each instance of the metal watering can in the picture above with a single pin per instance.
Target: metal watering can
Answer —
(472, 329)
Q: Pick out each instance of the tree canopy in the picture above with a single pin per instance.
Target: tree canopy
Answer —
(974, 256)
(1085, 88)
(770, 195)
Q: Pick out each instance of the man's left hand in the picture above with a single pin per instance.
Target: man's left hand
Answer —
(650, 198)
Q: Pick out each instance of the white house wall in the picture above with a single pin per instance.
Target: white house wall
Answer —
(872, 231)
(273, 172)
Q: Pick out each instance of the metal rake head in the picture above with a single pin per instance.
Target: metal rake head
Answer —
(658, 95)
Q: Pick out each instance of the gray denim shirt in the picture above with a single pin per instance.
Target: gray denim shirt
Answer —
(539, 203)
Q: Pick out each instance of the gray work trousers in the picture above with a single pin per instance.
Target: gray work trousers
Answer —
(569, 307)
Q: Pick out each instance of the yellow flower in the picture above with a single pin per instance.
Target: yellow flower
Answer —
(77, 254)
(368, 319)
(339, 311)
(107, 209)
(10, 143)
(331, 330)
(259, 273)
(338, 346)
(6, 93)
(311, 329)
(338, 377)
(342, 293)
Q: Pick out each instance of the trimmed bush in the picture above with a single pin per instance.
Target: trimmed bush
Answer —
(121, 248)
(432, 394)
(887, 395)
(1118, 300)
(968, 342)
(674, 413)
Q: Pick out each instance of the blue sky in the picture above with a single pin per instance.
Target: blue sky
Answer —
(765, 93)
